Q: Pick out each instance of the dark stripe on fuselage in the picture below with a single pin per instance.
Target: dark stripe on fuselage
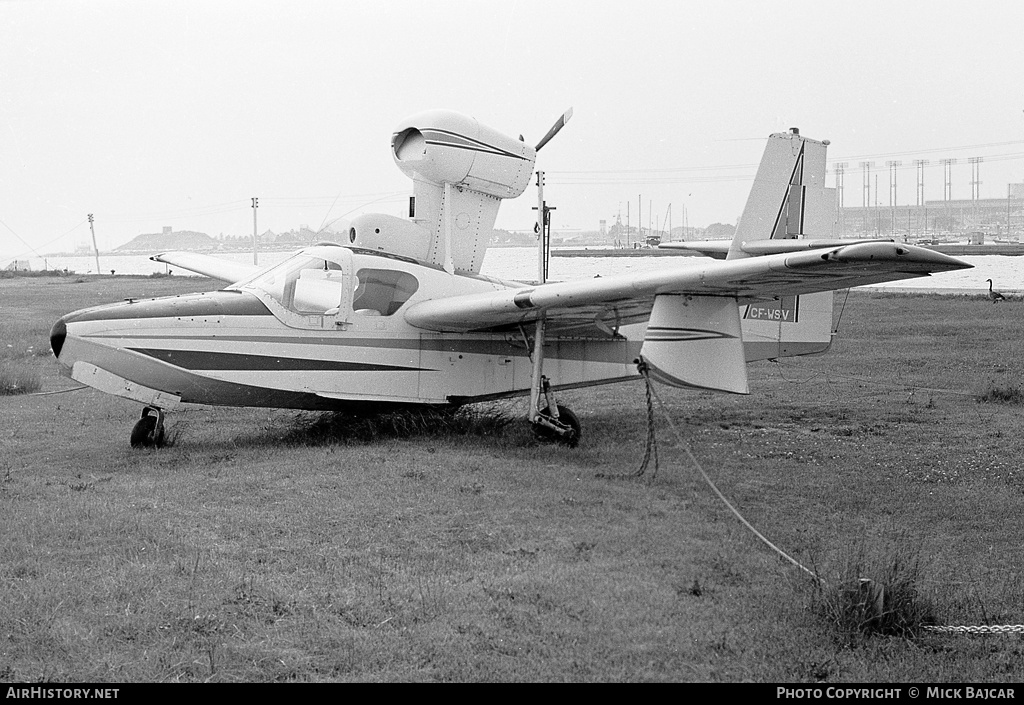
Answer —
(221, 361)
(212, 303)
(586, 350)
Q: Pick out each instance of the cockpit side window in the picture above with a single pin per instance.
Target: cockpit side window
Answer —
(381, 292)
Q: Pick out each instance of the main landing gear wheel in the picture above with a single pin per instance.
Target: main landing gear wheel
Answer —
(149, 430)
(565, 429)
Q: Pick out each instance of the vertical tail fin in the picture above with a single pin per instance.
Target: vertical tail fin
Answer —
(788, 199)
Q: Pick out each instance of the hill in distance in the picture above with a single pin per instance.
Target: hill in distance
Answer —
(169, 240)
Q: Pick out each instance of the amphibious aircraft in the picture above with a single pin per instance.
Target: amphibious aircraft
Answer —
(401, 315)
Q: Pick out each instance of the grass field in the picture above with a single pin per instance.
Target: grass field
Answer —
(257, 549)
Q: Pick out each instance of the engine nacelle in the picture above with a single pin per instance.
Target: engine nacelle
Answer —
(460, 170)
(442, 146)
(376, 231)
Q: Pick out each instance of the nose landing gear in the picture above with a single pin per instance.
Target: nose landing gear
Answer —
(149, 430)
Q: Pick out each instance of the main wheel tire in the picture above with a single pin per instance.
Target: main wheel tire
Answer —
(145, 434)
(566, 416)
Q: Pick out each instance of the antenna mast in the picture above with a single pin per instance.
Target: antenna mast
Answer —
(255, 205)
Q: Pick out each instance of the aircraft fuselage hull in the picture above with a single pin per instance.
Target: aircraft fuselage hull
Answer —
(228, 349)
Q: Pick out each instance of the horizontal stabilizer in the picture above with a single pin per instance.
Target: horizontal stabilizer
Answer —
(720, 248)
(696, 341)
(710, 248)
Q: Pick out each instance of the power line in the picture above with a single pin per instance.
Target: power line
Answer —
(45, 244)
(241, 205)
(932, 151)
(663, 175)
(20, 238)
(596, 178)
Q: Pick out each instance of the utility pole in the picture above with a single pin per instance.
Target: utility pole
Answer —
(876, 205)
(893, 165)
(947, 191)
(947, 188)
(640, 218)
(94, 248)
(866, 166)
(975, 187)
(840, 168)
(921, 164)
(866, 194)
(255, 205)
(975, 176)
(618, 225)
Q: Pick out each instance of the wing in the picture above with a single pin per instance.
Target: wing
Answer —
(208, 265)
(599, 304)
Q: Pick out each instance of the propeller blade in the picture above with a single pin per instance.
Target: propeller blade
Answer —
(559, 124)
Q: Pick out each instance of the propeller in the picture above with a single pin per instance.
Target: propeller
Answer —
(559, 124)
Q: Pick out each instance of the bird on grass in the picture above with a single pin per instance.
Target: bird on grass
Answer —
(994, 295)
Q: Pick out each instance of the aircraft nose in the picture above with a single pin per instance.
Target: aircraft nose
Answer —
(57, 335)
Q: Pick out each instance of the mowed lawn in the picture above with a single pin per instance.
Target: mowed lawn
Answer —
(258, 548)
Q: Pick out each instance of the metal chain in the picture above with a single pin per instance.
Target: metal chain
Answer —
(46, 394)
(979, 629)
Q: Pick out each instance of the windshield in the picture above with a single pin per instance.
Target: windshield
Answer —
(304, 284)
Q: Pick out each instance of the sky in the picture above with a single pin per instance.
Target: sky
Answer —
(177, 113)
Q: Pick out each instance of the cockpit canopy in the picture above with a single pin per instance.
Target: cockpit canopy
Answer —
(319, 282)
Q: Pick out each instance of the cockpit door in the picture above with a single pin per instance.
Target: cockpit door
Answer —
(321, 290)
(313, 289)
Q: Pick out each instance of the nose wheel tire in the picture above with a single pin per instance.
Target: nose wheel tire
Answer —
(565, 429)
(149, 430)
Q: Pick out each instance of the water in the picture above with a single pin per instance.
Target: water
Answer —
(521, 263)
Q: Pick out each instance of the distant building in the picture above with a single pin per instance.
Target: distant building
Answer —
(997, 217)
